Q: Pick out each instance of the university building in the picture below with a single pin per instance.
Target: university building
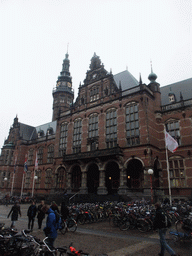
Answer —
(104, 141)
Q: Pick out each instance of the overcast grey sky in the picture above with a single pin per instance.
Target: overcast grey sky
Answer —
(124, 33)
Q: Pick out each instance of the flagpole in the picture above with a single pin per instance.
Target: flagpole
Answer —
(36, 168)
(33, 184)
(168, 177)
(13, 175)
(22, 184)
(12, 183)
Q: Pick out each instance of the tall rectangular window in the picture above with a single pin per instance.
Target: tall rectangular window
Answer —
(50, 154)
(30, 157)
(77, 135)
(177, 173)
(172, 127)
(93, 133)
(48, 178)
(132, 124)
(111, 128)
(63, 139)
(40, 155)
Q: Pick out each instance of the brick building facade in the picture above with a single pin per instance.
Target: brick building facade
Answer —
(106, 140)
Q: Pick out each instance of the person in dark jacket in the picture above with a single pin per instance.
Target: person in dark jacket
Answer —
(40, 214)
(64, 211)
(54, 206)
(31, 213)
(14, 212)
(50, 229)
(160, 225)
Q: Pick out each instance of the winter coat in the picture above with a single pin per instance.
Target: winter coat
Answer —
(31, 213)
(64, 211)
(50, 229)
(41, 214)
(159, 220)
(14, 212)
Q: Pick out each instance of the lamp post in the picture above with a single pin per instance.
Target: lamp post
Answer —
(150, 172)
(5, 179)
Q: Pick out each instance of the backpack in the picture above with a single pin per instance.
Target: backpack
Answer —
(58, 220)
(166, 220)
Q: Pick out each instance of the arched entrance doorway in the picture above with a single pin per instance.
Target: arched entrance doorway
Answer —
(76, 178)
(134, 174)
(92, 178)
(112, 175)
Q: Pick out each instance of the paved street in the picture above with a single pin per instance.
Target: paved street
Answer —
(101, 238)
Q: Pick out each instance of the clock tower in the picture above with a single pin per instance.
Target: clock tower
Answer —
(63, 93)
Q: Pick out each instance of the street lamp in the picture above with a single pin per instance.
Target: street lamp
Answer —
(150, 172)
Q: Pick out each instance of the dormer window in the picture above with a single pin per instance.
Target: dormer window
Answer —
(40, 133)
(50, 131)
(172, 98)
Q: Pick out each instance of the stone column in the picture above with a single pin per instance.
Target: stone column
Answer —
(83, 188)
(123, 186)
(102, 190)
(69, 190)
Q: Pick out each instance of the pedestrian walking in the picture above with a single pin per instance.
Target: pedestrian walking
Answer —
(64, 211)
(50, 229)
(40, 214)
(159, 223)
(14, 212)
(31, 213)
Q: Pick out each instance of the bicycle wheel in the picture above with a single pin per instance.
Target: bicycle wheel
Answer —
(124, 225)
(63, 228)
(72, 225)
(142, 226)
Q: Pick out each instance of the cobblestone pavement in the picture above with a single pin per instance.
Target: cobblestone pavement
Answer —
(100, 238)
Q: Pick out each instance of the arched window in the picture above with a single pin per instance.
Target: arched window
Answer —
(60, 178)
(132, 124)
(111, 128)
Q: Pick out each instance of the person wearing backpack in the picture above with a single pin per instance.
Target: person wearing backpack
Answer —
(160, 224)
(50, 229)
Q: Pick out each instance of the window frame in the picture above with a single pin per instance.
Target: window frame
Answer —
(132, 124)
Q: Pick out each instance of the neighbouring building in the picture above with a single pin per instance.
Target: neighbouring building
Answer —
(104, 141)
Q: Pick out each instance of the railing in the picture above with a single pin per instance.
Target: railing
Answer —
(73, 196)
(63, 89)
(176, 105)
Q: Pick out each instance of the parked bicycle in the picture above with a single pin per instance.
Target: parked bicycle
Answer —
(68, 225)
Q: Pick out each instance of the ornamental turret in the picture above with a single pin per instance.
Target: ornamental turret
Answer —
(63, 93)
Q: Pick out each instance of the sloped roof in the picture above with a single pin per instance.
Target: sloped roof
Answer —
(25, 131)
(126, 79)
(28, 132)
(184, 87)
